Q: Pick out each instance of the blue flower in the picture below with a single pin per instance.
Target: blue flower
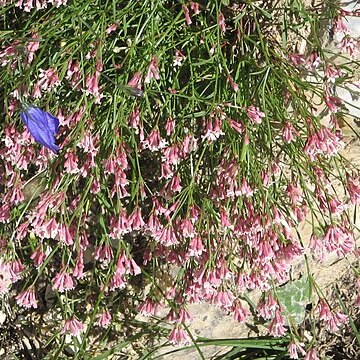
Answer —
(42, 126)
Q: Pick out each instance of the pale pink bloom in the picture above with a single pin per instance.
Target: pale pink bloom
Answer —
(349, 46)
(213, 131)
(239, 127)
(332, 102)
(297, 59)
(134, 268)
(224, 219)
(117, 281)
(294, 347)
(313, 60)
(178, 58)
(166, 236)
(339, 25)
(65, 235)
(245, 188)
(120, 226)
(166, 171)
(294, 192)
(135, 81)
(172, 154)
(277, 325)
(241, 314)
(73, 326)
(48, 80)
(32, 47)
(154, 141)
(353, 187)
(194, 6)
(135, 219)
(73, 74)
(63, 281)
(186, 228)
(104, 253)
(78, 271)
(149, 308)
(323, 141)
(104, 319)
(255, 114)
(232, 83)
(289, 132)
(153, 71)
(267, 309)
(71, 162)
(221, 22)
(187, 15)
(173, 186)
(311, 355)
(336, 321)
(336, 207)
(111, 28)
(223, 299)
(5, 278)
(339, 239)
(48, 229)
(27, 299)
(196, 247)
(38, 256)
(182, 316)
(170, 126)
(332, 73)
(317, 247)
(178, 337)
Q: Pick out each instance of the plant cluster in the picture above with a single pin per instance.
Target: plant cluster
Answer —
(160, 153)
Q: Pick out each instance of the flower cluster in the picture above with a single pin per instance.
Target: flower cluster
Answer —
(190, 180)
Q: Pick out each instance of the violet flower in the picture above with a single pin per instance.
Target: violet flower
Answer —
(42, 126)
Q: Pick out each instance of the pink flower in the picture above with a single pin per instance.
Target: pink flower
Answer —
(154, 141)
(276, 327)
(38, 256)
(104, 253)
(332, 72)
(332, 102)
(289, 132)
(196, 247)
(5, 278)
(27, 299)
(63, 281)
(153, 71)
(135, 81)
(349, 46)
(104, 319)
(149, 308)
(311, 355)
(323, 142)
(221, 22)
(135, 220)
(240, 313)
(73, 326)
(255, 114)
(339, 25)
(294, 347)
(187, 15)
(178, 336)
(194, 7)
(223, 299)
(239, 127)
(353, 187)
(170, 126)
(297, 59)
(232, 83)
(111, 28)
